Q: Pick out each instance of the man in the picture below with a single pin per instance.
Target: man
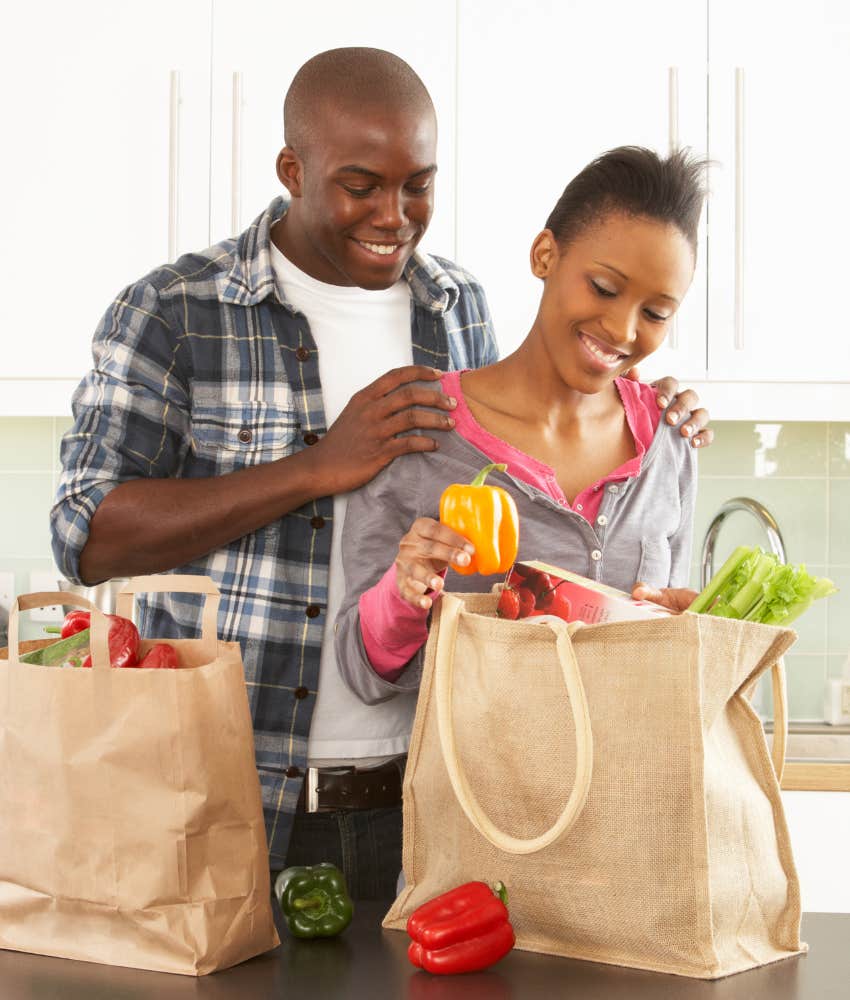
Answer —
(224, 422)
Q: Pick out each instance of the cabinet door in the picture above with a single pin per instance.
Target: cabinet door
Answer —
(780, 208)
(85, 173)
(543, 92)
(258, 45)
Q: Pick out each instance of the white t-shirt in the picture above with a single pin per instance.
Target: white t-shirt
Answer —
(359, 334)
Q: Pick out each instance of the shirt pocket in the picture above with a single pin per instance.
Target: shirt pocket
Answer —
(234, 435)
(655, 560)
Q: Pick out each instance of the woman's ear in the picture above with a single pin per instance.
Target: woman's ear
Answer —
(290, 171)
(544, 254)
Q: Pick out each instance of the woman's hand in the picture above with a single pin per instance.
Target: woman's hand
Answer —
(667, 394)
(675, 599)
(423, 553)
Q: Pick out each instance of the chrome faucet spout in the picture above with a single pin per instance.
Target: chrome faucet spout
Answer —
(761, 514)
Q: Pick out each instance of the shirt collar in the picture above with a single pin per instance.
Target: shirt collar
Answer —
(251, 278)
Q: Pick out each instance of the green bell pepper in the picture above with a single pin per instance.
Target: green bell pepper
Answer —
(314, 901)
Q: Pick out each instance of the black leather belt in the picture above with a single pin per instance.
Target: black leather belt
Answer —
(328, 789)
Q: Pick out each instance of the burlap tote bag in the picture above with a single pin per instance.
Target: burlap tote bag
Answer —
(614, 777)
(131, 828)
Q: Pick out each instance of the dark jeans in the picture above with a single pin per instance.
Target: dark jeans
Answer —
(365, 844)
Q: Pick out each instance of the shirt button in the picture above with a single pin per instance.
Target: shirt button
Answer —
(596, 555)
(613, 489)
(300, 692)
(317, 522)
(302, 354)
(293, 772)
(579, 507)
(602, 519)
(312, 610)
(245, 436)
(310, 438)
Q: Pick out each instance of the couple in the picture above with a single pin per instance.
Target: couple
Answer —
(225, 422)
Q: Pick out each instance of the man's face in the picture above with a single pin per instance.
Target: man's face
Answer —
(363, 195)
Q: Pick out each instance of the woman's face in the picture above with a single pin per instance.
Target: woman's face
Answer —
(609, 297)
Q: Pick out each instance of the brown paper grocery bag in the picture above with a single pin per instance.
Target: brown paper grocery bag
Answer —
(614, 777)
(131, 831)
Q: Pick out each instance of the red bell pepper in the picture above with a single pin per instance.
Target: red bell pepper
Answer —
(163, 654)
(123, 637)
(75, 621)
(463, 930)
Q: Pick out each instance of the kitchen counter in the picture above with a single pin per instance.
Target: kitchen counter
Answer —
(369, 963)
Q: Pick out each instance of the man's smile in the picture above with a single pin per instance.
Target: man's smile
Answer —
(381, 249)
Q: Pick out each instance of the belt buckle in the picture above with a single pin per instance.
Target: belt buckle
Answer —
(311, 797)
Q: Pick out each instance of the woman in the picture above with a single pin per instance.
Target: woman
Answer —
(603, 486)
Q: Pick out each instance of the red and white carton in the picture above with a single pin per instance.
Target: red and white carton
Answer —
(535, 588)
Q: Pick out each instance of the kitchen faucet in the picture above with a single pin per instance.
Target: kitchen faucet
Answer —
(761, 514)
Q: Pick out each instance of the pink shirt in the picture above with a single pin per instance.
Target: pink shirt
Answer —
(394, 630)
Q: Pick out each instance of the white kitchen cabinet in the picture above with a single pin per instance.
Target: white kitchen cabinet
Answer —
(258, 45)
(86, 171)
(780, 204)
(541, 93)
(819, 828)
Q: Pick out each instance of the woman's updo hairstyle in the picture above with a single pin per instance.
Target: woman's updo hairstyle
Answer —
(636, 182)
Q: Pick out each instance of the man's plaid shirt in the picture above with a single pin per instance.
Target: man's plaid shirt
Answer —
(201, 369)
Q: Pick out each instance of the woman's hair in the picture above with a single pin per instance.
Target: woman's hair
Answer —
(636, 182)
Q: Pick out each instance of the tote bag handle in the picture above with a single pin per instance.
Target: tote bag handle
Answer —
(444, 679)
(780, 718)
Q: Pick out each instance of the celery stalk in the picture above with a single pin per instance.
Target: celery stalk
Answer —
(706, 598)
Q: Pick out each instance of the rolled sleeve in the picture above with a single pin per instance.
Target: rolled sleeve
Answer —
(131, 418)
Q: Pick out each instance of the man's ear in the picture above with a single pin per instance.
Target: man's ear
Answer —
(290, 171)
(544, 254)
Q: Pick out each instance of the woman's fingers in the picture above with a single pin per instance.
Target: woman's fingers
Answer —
(423, 554)
(675, 599)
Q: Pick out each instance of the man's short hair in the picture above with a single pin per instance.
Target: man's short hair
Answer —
(348, 79)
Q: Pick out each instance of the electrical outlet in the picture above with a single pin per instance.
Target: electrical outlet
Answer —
(45, 581)
(7, 591)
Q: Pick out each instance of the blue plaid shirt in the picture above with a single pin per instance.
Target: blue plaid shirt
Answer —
(185, 362)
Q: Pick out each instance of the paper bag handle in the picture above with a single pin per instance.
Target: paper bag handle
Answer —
(40, 599)
(444, 677)
(177, 583)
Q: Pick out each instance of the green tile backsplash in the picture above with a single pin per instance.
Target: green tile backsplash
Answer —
(799, 471)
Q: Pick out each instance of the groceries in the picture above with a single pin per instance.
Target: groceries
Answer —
(463, 930)
(536, 588)
(314, 900)
(73, 648)
(487, 517)
(753, 585)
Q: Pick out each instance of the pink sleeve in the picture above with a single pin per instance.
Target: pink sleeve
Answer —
(393, 630)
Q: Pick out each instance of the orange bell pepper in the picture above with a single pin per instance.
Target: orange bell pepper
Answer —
(487, 517)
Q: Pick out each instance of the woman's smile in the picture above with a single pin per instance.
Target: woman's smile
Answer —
(600, 353)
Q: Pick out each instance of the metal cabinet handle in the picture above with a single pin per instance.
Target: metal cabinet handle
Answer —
(673, 140)
(173, 163)
(236, 157)
(739, 209)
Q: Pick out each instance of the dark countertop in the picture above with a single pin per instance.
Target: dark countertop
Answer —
(369, 963)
